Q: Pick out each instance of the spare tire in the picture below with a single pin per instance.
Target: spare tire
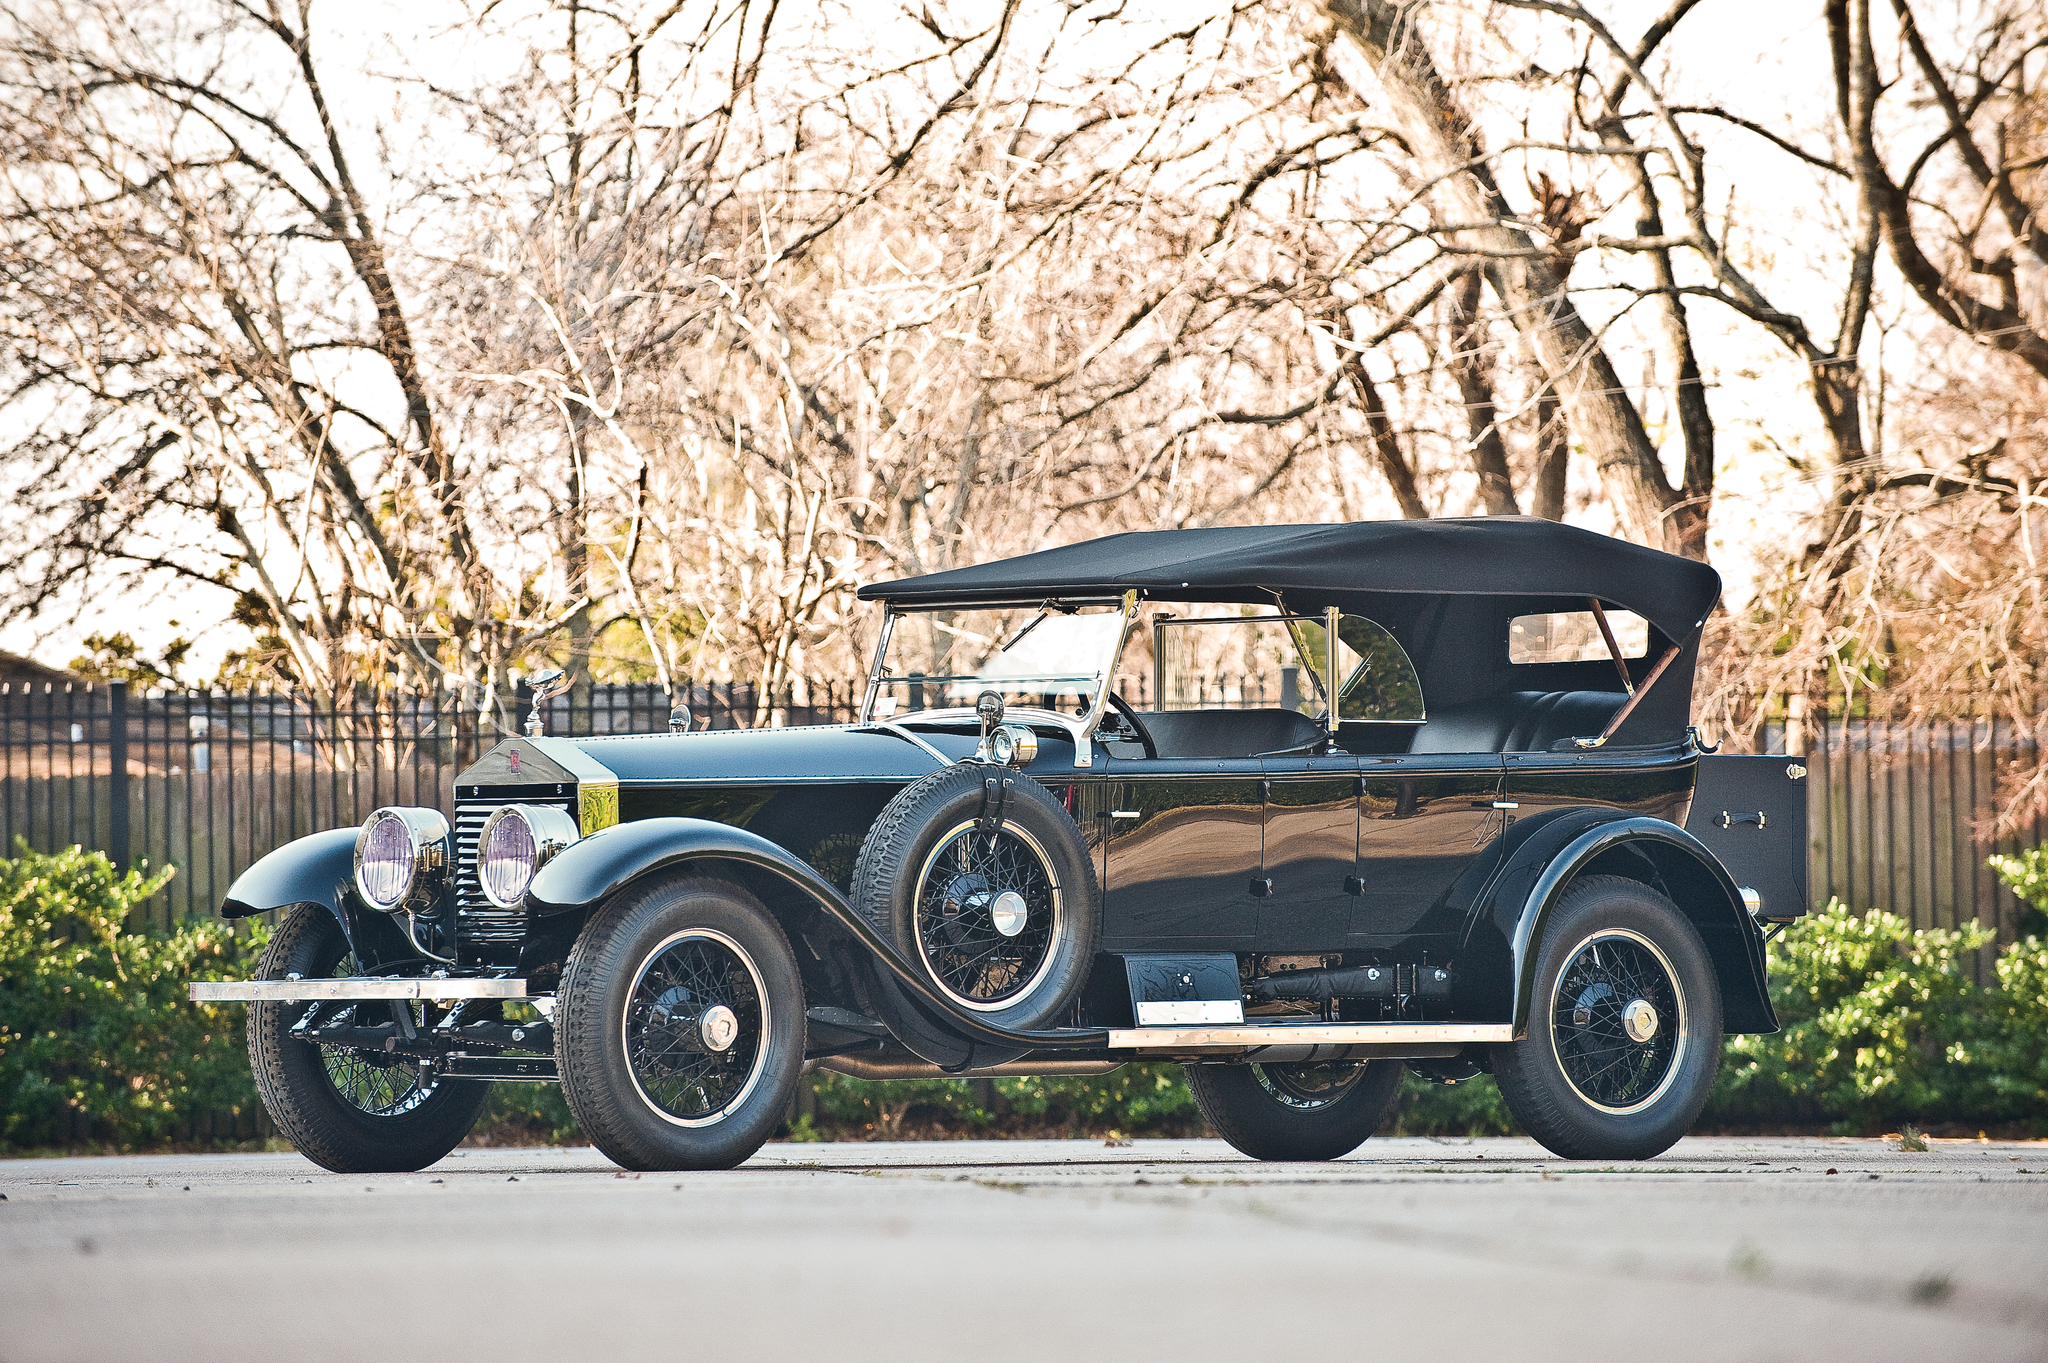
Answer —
(981, 879)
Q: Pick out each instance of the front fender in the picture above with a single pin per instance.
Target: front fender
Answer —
(592, 869)
(1569, 843)
(316, 869)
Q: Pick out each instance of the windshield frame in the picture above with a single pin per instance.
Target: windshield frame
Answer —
(1080, 728)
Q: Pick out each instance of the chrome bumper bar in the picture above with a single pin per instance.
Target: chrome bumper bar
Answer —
(359, 987)
(1180, 1039)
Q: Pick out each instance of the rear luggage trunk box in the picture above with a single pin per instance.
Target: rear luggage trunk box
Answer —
(1751, 813)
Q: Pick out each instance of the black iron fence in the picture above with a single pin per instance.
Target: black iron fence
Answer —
(1901, 815)
(208, 783)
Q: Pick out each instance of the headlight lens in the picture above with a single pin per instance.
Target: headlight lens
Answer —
(516, 841)
(401, 857)
(1013, 745)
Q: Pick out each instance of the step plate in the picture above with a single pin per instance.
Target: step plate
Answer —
(1310, 1034)
(361, 987)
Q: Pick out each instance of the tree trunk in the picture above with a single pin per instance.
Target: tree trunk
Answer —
(1474, 371)
(1447, 156)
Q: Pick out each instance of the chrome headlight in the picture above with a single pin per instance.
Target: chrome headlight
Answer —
(1012, 745)
(402, 859)
(516, 841)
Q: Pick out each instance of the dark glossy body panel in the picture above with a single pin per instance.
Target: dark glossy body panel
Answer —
(1751, 814)
(781, 756)
(1311, 852)
(1557, 849)
(1426, 825)
(1654, 783)
(315, 869)
(590, 870)
(1179, 875)
(823, 824)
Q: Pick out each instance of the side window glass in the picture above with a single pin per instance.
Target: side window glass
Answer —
(1378, 682)
(1574, 637)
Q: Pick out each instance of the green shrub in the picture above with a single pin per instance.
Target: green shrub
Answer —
(97, 1039)
(1135, 1100)
(1149, 1099)
(527, 1114)
(1470, 1107)
(1882, 1024)
(2026, 875)
(2013, 1047)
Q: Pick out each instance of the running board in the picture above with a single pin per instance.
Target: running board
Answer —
(1311, 1034)
(358, 987)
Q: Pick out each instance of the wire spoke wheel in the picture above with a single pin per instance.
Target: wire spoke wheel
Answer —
(1617, 1021)
(373, 1082)
(988, 914)
(1307, 1088)
(695, 1025)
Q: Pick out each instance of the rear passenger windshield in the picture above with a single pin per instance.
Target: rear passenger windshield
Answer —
(1574, 637)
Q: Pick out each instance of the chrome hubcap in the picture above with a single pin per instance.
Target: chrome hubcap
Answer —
(1639, 1020)
(1009, 913)
(720, 1027)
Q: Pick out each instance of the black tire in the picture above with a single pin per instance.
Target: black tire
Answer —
(1592, 1079)
(637, 1018)
(350, 1111)
(947, 893)
(1296, 1112)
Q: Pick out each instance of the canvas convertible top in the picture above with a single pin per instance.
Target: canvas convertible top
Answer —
(1480, 556)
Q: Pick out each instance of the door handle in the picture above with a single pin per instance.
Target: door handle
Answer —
(1495, 804)
(1123, 813)
(1354, 885)
(1261, 886)
(1727, 820)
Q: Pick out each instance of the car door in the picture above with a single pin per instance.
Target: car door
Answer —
(1427, 822)
(1310, 863)
(1182, 850)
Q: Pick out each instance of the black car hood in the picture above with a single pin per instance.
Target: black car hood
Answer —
(777, 756)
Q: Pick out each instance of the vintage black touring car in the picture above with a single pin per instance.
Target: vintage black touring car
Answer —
(1417, 793)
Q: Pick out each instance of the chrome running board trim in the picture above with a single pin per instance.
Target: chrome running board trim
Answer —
(1311, 1034)
(867, 1067)
(359, 987)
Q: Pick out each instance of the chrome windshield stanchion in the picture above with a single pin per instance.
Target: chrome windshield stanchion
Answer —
(1084, 748)
(867, 702)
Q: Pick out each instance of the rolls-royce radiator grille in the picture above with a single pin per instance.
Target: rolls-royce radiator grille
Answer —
(482, 928)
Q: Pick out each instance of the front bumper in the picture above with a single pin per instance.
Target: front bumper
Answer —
(359, 987)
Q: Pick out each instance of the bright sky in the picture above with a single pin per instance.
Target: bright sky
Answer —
(1741, 52)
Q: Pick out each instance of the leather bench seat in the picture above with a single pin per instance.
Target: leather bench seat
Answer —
(1520, 721)
(1228, 733)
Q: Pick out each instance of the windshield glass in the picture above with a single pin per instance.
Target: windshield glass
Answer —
(940, 660)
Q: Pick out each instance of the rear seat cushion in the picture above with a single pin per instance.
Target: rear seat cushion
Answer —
(1228, 733)
(1520, 721)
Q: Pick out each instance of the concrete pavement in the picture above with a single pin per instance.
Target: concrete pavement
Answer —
(1794, 1249)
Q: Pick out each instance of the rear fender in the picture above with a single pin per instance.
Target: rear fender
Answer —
(1507, 933)
(594, 868)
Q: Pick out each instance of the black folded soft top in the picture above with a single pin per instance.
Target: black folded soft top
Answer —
(1481, 556)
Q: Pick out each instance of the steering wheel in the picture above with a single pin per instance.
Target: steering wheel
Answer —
(1130, 717)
